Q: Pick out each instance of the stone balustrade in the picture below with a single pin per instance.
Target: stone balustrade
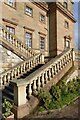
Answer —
(20, 69)
(40, 77)
(15, 42)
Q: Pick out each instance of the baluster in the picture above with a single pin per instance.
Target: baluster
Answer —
(1, 81)
(55, 69)
(62, 62)
(4, 79)
(10, 38)
(70, 56)
(29, 65)
(16, 43)
(8, 76)
(49, 73)
(7, 37)
(13, 42)
(39, 84)
(18, 71)
(4, 34)
(0, 31)
(15, 72)
(34, 62)
(24, 67)
(60, 65)
(34, 87)
(21, 46)
(46, 77)
(21, 69)
(30, 90)
(52, 71)
(12, 75)
(67, 59)
(26, 53)
(42, 78)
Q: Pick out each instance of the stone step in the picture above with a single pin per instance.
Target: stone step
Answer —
(9, 88)
(7, 98)
(8, 92)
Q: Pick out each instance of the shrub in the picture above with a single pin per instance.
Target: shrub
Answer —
(7, 108)
(55, 92)
(45, 97)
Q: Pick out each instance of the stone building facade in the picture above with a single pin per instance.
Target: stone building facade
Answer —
(61, 26)
(44, 27)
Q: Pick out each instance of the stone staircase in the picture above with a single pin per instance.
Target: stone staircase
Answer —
(8, 91)
(24, 80)
(50, 73)
(20, 69)
(11, 42)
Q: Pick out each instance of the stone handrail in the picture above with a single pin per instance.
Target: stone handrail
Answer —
(20, 69)
(15, 42)
(40, 77)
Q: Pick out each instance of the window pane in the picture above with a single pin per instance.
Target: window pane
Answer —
(42, 42)
(66, 24)
(42, 18)
(10, 29)
(28, 38)
(11, 2)
(28, 11)
(65, 4)
(67, 44)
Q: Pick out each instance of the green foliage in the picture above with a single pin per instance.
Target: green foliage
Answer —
(59, 95)
(56, 92)
(7, 108)
(41, 109)
(45, 97)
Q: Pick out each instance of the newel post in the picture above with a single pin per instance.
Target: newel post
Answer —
(19, 94)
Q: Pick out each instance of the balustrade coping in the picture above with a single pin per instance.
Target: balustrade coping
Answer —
(22, 62)
(38, 72)
(20, 42)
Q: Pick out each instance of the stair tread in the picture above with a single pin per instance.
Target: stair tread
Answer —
(8, 92)
(9, 88)
(5, 97)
